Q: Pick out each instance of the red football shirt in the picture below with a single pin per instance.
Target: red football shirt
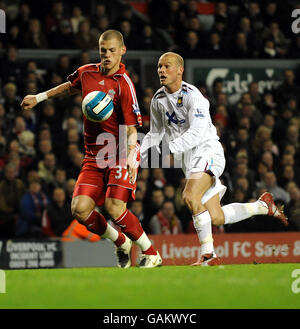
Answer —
(126, 111)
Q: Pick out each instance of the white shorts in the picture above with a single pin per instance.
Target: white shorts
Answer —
(209, 156)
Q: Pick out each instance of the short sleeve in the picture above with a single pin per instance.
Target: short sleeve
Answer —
(129, 104)
(74, 78)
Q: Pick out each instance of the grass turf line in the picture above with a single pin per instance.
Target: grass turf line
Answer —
(231, 286)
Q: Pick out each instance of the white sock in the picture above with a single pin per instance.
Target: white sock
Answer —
(236, 212)
(202, 223)
(110, 233)
(143, 242)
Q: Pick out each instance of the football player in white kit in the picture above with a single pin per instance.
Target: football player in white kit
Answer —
(181, 114)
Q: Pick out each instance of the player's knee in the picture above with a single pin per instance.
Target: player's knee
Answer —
(217, 218)
(81, 209)
(190, 200)
(187, 198)
(114, 208)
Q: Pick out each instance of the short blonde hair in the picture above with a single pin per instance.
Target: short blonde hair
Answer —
(178, 58)
(112, 34)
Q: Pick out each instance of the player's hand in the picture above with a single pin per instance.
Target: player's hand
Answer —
(28, 102)
(132, 173)
(133, 162)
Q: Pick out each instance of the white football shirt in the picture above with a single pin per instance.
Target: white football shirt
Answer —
(183, 117)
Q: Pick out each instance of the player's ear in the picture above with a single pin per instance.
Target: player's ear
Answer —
(123, 50)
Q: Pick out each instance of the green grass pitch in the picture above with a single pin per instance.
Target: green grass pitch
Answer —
(230, 286)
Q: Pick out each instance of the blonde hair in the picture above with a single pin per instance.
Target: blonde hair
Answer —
(178, 58)
(112, 34)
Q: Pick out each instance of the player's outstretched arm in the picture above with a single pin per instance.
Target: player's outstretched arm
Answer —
(64, 89)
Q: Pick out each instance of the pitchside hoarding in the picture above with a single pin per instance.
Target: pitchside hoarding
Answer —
(35, 253)
(184, 249)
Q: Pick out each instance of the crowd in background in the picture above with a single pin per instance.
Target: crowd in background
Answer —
(41, 150)
(253, 29)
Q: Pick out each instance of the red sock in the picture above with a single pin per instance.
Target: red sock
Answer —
(130, 225)
(150, 251)
(96, 223)
(121, 239)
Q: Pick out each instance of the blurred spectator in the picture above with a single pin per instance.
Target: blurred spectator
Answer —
(169, 193)
(273, 33)
(294, 48)
(32, 206)
(75, 167)
(54, 18)
(46, 168)
(11, 68)
(57, 216)
(149, 40)
(62, 37)
(255, 16)
(157, 199)
(262, 134)
(288, 88)
(269, 51)
(240, 47)
(158, 179)
(84, 39)
(130, 38)
(14, 37)
(76, 18)
(270, 182)
(252, 39)
(23, 17)
(191, 46)
(253, 90)
(127, 14)
(190, 10)
(141, 189)
(70, 189)
(60, 180)
(267, 159)
(11, 192)
(165, 221)
(293, 208)
(137, 208)
(215, 48)
(102, 24)
(35, 38)
(64, 66)
(271, 12)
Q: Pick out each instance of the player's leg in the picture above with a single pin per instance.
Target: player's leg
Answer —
(83, 209)
(116, 208)
(236, 212)
(196, 186)
(86, 197)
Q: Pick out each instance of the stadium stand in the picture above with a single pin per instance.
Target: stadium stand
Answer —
(42, 150)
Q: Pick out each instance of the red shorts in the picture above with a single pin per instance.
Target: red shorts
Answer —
(104, 183)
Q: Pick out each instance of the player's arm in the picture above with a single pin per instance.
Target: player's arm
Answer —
(198, 117)
(64, 89)
(132, 153)
(155, 135)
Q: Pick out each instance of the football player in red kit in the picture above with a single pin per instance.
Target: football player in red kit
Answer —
(112, 186)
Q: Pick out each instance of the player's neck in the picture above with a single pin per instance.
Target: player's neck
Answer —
(111, 71)
(171, 89)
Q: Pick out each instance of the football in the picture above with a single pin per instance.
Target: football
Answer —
(97, 106)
